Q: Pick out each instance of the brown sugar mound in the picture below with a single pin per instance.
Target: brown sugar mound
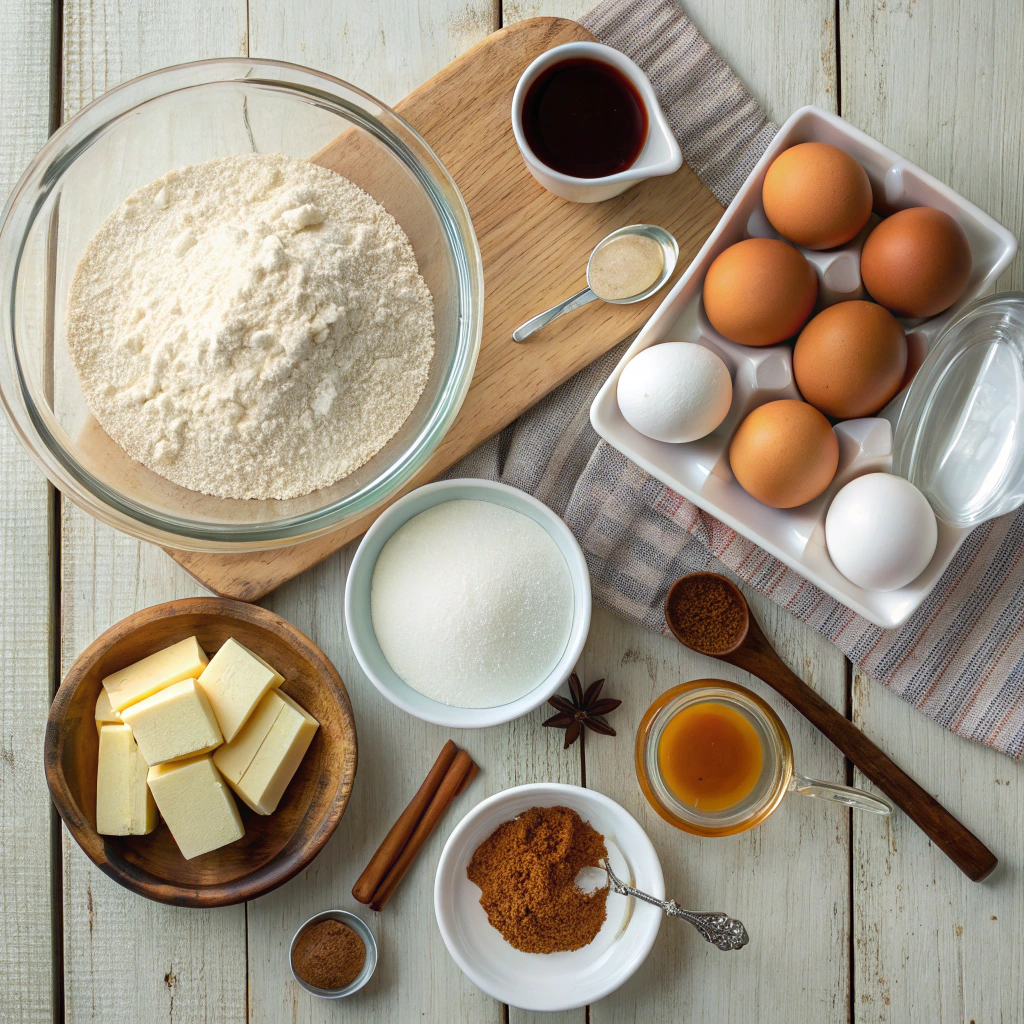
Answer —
(526, 870)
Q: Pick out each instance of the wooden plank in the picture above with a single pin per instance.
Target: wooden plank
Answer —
(931, 945)
(530, 260)
(784, 52)
(787, 880)
(127, 958)
(387, 51)
(943, 85)
(26, 510)
(387, 48)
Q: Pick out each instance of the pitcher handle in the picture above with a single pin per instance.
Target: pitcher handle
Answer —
(858, 799)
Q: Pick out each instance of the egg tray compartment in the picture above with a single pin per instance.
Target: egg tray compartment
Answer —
(700, 470)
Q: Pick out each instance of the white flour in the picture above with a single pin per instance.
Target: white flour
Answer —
(251, 327)
(472, 603)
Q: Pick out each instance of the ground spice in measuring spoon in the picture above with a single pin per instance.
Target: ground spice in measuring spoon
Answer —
(625, 267)
(705, 614)
(526, 870)
(329, 955)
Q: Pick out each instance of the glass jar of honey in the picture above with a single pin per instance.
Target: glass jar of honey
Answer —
(714, 759)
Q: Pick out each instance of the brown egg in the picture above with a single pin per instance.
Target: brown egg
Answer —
(816, 195)
(759, 291)
(784, 453)
(916, 262)
(850, 359)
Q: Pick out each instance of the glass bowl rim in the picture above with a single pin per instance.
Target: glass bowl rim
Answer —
(413, 152)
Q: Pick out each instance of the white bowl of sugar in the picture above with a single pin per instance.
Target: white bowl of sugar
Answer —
(468, 603)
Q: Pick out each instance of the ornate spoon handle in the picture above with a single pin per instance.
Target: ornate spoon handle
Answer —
(717, 928)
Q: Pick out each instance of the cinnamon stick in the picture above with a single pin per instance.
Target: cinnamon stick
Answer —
(394, 842)
(460, 774)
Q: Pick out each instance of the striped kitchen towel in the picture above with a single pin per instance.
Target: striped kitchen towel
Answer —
(960, 659)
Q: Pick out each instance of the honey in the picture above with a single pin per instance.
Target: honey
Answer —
(710, 756)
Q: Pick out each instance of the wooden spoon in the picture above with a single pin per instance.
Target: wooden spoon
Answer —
(707, 613)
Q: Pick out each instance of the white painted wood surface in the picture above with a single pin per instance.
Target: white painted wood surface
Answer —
(861, 921)
(26, 506)
(943, 84)
(788, 881)
(128, 959)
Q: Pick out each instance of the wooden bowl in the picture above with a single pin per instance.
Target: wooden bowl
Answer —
(275, 847)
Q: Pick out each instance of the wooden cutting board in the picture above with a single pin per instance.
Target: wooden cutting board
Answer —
(534, 248)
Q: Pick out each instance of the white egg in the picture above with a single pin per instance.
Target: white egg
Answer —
(880, 531)
(675, 391)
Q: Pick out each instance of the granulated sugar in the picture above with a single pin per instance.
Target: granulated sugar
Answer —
(251, 327)
(472, 603)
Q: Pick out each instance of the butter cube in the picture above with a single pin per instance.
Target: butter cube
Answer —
(196, 804)
(233, 758)
(124, 805)
(174, 722)
(105, 714)
(236, 680)
(263, 783)
(183, 660)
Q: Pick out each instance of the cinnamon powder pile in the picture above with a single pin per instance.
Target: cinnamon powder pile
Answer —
(329, 955)
(705, 614)
(526, 870)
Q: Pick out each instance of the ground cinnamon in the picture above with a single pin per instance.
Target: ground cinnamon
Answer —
(526, 870)
(705, 613)
(329, 955)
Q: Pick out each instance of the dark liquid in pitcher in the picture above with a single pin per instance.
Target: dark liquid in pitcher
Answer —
(584, 118)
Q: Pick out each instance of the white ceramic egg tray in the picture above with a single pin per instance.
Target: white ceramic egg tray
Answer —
(700, 470)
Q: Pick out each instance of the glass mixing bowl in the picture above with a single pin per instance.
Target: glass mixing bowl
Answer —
(131, 136)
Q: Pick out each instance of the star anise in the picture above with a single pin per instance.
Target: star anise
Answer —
(582, 709)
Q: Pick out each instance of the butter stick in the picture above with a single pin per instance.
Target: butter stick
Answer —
(124, 805)
(263, 783)
(236, 680)
(104, 713)
(174, 722)
(196, 804)
(232, 759)
(183, 660)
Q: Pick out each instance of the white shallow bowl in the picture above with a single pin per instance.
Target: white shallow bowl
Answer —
(700, 470)
(660, 155)
(359, 622)
(549, 981)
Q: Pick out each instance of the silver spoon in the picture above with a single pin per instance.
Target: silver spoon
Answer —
(670, 249)
(724, 932)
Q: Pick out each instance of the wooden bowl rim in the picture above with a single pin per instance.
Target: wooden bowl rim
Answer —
(270, 875)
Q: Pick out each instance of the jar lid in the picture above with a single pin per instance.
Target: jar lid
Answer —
(960, 434)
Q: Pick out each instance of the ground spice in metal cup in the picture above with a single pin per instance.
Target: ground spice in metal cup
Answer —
(526, 870)
(329, 955)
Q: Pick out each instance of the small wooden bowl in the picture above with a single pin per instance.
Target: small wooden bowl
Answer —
(275, 847)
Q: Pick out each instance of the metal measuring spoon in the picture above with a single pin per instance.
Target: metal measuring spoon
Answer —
(717, 928)
(670, 249)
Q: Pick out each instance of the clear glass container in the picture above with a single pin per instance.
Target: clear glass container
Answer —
(960, 434)
(131, 136)
(778, 776)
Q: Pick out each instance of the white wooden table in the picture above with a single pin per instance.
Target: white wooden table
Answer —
(851, 919)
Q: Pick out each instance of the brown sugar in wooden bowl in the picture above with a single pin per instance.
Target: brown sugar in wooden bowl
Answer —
(275, 847)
